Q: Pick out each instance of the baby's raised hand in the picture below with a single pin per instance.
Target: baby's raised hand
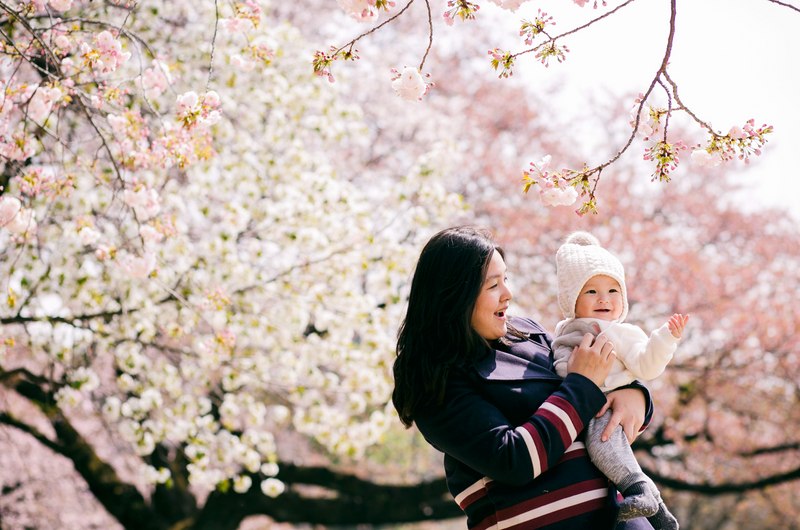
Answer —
(676, 324)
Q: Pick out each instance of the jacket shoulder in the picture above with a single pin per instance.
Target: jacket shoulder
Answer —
(526, 326)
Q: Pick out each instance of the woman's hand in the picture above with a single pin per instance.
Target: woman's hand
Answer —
(627, 409)
(592, 358)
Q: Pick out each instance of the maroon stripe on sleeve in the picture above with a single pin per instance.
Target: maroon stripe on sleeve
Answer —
(553, 418)
(541, 451)
(567, 407)
(472, 498)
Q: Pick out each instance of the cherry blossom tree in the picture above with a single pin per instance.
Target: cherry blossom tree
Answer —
(650, 113)
(189, 263)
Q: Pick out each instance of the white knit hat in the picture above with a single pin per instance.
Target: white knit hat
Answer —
(578, 259)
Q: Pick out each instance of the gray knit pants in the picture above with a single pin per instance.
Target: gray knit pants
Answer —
(615, 459)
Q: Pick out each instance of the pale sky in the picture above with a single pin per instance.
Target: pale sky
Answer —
(732, 60)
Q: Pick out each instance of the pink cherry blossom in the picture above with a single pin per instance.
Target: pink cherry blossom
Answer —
(704, 158)
(511, 5)
(211, 99)
(41, 103)
(156, 79)
(134, 198)
(647, 125)
(410, 85)
(232, 25)
(360, 10)
(9, 207)
(150, 234)
(187, 102)
(737, 133)
(551, 196)
(102, 253)
(118, 123)
(137, 267)
(61, 5)
(543, 164)
(239, 61)
(63, 43)
(89, 236)
(24, 221)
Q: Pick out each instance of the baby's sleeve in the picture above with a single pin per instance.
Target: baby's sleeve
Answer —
(571, 336)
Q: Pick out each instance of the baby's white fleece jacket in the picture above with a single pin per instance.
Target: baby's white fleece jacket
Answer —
(638, 356)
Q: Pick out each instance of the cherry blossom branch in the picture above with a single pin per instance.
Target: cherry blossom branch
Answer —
(684, 108)
(35, 35)
(430, 35)
(373, 30)
(784, 4)
(213, 44)
(582, 178)
(552, 40)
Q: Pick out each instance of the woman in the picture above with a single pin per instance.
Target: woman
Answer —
(480, 387)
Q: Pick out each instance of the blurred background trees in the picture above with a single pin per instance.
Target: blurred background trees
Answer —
(267, 328)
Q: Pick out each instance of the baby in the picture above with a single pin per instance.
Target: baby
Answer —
(593, 299)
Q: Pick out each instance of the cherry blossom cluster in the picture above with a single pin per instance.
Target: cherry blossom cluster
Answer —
(530, 30)
(551, 50)
(582, 3)
(322, 61)
(504, 59)
(665, 155)
(15, 218)
(107, 54)
(409, 84)
(366, 10)
(740, 142)
(200, 239)
(555, 188)
(45, 181)
(460, 9)
(511, 5)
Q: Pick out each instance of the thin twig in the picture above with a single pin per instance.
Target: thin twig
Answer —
(785, 5)
(430, 38)
(575, 30)
(213, 45)
(373, 30)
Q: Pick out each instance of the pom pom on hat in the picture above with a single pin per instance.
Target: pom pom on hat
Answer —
(581, 238)
(580, 258)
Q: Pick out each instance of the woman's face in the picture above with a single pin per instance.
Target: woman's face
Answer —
(489, 317)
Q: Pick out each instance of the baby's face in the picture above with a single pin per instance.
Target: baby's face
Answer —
(600, 298)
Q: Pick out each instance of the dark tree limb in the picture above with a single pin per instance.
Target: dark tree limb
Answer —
(173, 501)
(346, 500)
(123, 501)
(724, 488)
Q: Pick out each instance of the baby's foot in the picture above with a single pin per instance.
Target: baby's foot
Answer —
(663, 520)
(638, 501)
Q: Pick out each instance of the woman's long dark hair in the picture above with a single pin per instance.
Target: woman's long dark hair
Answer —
(437, 330)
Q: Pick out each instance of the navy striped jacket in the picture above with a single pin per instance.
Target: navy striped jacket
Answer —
(511, 431)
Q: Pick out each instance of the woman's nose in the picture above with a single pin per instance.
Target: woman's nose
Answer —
(507, 294)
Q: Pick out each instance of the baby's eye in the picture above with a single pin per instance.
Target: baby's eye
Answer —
(591, 291)
(613, 291)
